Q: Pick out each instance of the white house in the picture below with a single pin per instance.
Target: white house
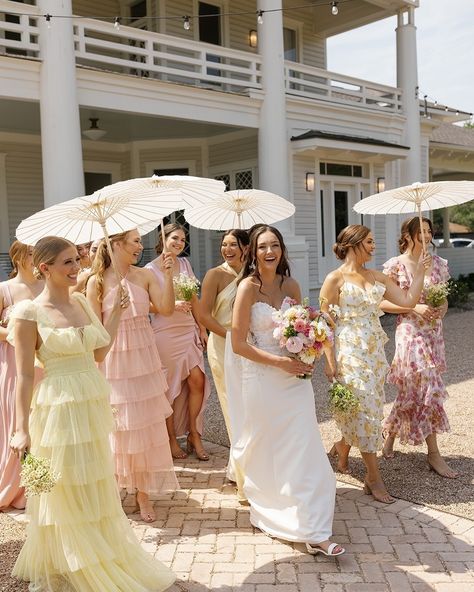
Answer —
(234, 90)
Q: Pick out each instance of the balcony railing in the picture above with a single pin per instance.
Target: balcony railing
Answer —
(137, 52)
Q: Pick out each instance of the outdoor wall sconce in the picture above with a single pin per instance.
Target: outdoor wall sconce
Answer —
(253, 38)
(94, 132)
(309, 182)
(380, 184)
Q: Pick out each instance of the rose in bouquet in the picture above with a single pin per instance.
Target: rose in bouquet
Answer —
(185, 287)
(341, 399)
(36, 475)
(303, 331)
(436, 295)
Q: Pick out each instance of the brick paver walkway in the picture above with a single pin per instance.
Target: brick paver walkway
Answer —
(204, 535)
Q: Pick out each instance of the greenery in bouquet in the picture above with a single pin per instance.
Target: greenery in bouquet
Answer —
(437, 294)
(36, 475)
(342, 399)
(185, 287)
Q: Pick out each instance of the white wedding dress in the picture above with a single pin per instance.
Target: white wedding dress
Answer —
(288, 480)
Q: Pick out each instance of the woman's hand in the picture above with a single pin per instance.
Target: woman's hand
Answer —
(20, 443)
(425, 312)
(330, 371)
(122, 298)
(204, 337)
(425, 261)
(441, 310)
(294, 366)
(167, 263)
(182, 306)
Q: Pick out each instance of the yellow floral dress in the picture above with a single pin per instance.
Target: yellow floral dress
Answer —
(361, 363)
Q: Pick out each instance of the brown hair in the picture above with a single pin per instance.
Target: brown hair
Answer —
(18, 255)
(47, 250)
(241, 236)
(168, 229)
(349, 237)
(410, 230)
(102, 261)
(251, 267)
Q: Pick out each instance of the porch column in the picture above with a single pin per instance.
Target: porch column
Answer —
(446, 233)
(63, 174)
(273, 140)
(407, 80)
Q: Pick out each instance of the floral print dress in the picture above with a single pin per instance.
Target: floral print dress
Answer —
(418, 364)
(361, 363)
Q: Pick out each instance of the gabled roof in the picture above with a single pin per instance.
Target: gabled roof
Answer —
(346, 138)
(453, 135)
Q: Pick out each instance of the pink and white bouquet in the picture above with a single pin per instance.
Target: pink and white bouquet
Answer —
(302, 330)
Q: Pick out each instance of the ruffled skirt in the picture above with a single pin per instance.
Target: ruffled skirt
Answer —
(78, 536)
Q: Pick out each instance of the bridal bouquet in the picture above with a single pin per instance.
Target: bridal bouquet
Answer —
(303, 331)
(185, 287)
(342, 399)
(36, 475)
(437, 294)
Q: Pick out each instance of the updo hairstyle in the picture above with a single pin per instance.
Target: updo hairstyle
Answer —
(18, 254)
(46, 251)
(348, 238)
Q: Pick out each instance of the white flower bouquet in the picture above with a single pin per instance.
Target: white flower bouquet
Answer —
(185, 287)
(36, 475)
(437, 294)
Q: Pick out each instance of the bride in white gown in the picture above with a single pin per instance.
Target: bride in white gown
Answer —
(288, 480)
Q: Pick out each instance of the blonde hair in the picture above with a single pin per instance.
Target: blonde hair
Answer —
(349, 237)
(46, 251)
(102, 261)
(18, 254)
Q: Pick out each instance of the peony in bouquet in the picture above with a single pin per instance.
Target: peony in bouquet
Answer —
(36, 475)
(302, 330)
(185, 287)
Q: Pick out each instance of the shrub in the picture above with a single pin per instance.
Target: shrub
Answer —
(459, 292)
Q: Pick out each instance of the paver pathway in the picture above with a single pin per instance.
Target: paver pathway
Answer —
(204, 535)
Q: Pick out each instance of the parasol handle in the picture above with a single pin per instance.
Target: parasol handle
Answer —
(111, 253)
(163, 237)
(421, 229)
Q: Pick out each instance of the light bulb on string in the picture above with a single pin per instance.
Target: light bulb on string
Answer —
(48, 20)
(186, 23)
(260, 17)
(117, 22)
(334, 8)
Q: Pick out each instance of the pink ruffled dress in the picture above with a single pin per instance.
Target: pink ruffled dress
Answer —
(11, 494)
(179, 346)
(140, 442)
(417, 365)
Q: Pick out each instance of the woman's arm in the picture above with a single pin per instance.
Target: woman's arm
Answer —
(329, 295)
(3, 330)
(209, 292)
(162, 299)
(244, 300)
(405, 298)
(25, 343)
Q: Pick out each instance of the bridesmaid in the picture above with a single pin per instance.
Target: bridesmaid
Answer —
(133, 368)
(22, 286)
(358, 358)
(180, 340)
(418, 414)
(219, 288)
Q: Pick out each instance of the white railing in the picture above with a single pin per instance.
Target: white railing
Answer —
(153, 55)
(18, 31)
(315, 83)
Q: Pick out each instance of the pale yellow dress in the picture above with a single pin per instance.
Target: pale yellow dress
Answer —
(78, 538)
(222, 312)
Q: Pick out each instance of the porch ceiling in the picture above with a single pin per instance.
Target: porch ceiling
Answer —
(352, 15)
(24, 117)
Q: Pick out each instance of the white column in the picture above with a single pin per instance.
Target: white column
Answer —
(446, 233)
(407, 80)
(4, 227)
(63, 174)
(273, 140)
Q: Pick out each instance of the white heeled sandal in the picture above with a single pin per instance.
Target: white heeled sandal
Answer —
(315, 549)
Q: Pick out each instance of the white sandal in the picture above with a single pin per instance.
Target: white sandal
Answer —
(315, 549)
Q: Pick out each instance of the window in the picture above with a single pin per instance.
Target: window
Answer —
(242, 179)
(95, 181)
(138, 10)
(341, 170)
(210, 23)
(341, 210)
(290, 44)
(323, 236)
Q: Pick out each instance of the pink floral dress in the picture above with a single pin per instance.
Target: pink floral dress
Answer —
(417, 365)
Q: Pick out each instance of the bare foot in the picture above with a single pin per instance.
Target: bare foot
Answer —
(378, 491)
(437, 464)
(194, 443)
(387, 450)
(341, 451)
(147, 512)
(176, 450)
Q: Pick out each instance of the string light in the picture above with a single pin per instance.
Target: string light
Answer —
(186, 23)
(117, 23)
(260, 17)
(48, 18)
(334, 8)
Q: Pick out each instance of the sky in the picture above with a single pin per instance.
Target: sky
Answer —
(445, 46)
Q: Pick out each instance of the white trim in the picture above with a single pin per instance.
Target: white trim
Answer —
(4, 227)
(298, 27)
(19, 138)
(97, 166)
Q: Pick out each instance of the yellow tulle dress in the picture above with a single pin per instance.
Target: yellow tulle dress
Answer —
(78, 538)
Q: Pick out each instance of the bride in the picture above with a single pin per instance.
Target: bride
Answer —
(288, 481)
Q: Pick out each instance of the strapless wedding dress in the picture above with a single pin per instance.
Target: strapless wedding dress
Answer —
(288, 480)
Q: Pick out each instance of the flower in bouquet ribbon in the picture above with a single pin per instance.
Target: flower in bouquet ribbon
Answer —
(294, 344)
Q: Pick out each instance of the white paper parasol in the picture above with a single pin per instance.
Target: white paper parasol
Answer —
(240, 209)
